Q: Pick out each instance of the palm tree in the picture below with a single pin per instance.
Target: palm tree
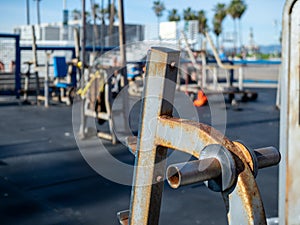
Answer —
(220, 11)
(173, 15)
(76, 14)
(202, 20)
(217, 28)
(88, 17)
(94, 8)
(220, 14)
(38, 11)
(236, 9)
(158, 8)
(202, 23)
(113, 13)
(189, 14)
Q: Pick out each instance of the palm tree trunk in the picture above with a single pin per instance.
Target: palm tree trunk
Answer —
(111, 19)
(95, 30)
(27, 12)
(240, 34)
(38, 12)
(201, 41)
(235, 38)
(102, 27)
(158, 28)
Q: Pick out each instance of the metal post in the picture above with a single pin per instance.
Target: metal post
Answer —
(46, 81)
(289, 179)
(149, 173)
(82, 58)
(102, 28)
(122, 40)
(17, 68)
(38, 11)
(35, 64)
(27, 12)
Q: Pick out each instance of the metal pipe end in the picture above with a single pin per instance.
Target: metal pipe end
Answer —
(123, 217)
(268, 156)
(173, 176)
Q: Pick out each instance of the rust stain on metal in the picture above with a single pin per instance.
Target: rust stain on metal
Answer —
(248, 191)
(207, 135)
(246, 186)
(131, 143)
(288, 185)
(246, 154)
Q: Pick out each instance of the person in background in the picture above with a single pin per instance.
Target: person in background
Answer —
(2, 67)
(222, 54)
(116, 83)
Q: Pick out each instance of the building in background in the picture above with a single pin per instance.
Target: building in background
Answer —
(59, 34)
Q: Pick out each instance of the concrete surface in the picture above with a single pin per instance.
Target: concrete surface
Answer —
(44, 179)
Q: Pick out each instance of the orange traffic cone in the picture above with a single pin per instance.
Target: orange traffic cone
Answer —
(201, 99)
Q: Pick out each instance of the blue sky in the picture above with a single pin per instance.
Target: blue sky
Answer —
(260, 15)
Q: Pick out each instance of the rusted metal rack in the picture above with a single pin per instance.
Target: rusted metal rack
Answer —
(226, 166)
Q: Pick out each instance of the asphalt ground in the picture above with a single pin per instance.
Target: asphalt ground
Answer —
(44, 178)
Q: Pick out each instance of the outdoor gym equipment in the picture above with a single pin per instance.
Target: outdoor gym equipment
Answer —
(213, 86)
(228, 167)
(98, 98)
(289, 179)
(229, 88)
(64, 79)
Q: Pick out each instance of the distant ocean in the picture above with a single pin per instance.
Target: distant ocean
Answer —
(268, 49)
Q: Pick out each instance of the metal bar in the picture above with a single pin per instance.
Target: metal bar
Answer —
(122, 42)
(181, 134)
(35, 63)
(46, 81)
(267, 157)
(17, 67)
(150, 161)
(60, 48)
(210, 168)
(123, 217)
(193, 172)
(82, 82)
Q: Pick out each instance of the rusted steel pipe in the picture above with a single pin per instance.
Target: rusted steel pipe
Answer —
(210, 168)
(193, 172)
(266, 157)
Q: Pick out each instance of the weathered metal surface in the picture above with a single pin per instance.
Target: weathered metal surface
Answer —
(150, 161)
(228, 167)
(232, 162)
(289, 179)
(131, 143)
(193, 172)
(211, 166)
(192, 137)
(267, 157)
